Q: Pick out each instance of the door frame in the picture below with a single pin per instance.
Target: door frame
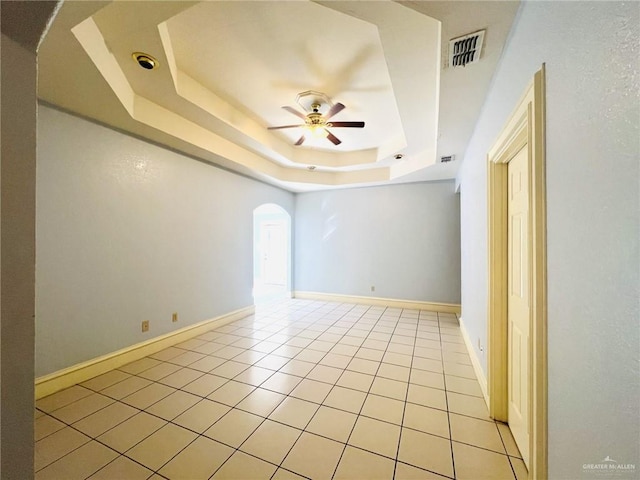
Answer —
(524, 129)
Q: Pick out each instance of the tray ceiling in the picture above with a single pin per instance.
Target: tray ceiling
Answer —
(226, 69)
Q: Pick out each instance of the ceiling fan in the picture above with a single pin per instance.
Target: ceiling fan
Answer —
(317, 123)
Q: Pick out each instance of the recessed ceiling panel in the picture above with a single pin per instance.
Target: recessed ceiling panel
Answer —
(258, 56)
(227, 67)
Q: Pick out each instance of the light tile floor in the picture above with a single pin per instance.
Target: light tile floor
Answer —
(302, 389)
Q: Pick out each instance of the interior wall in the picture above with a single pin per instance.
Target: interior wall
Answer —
(128, 231)
(17, 258)
(401, 239)
(593, 220)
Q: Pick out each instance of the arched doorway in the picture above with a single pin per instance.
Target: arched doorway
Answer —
(271, 253)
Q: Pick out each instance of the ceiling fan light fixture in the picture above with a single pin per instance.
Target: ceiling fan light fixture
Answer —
(318, 131)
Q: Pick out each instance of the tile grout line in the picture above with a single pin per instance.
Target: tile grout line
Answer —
(264, 419)
(95, 439)
(446, 399)
(504, 445)
(346, 443)
(261, 423)
(198, 435)
(282, 319)
(404, 407)
(408, 402)
(91, 438)
(119, 401)
(235, 406)
(397, 322)
(304, 429)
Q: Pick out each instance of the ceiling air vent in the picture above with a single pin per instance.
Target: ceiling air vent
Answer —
(448, 158)
(466, 49)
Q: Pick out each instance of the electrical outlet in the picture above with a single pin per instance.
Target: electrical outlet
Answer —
(145, 325)
(373, 288)
(174, 317)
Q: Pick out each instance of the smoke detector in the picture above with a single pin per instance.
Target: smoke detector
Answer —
(466, 49)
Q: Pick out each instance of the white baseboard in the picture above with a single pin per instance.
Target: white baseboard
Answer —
(475, 361)
(378, 301)
(53, 382)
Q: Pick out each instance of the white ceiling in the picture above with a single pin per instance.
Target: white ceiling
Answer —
(227, 68)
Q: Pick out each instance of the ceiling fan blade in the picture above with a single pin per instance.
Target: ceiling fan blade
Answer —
(300, 141)
(284, 126)
(332, 138)
(295, 112)
(348, 124)
(333, 110)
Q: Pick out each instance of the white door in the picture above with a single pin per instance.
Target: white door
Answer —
(273, 248)
(518, 300)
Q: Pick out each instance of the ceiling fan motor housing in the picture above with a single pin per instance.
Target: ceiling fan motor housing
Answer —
(315, 118)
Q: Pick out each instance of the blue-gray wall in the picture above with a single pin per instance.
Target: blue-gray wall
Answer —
(591, 52)
(402, 239)
(129, 231)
